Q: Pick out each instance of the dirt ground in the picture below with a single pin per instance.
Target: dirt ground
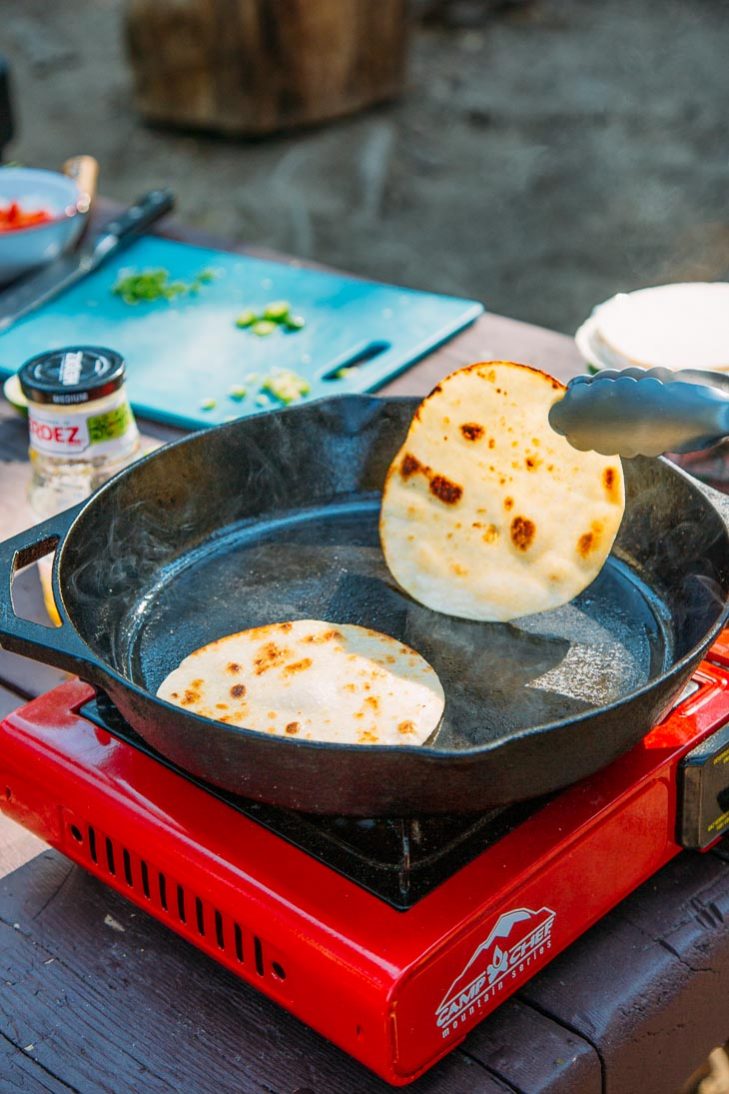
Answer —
(541, 159)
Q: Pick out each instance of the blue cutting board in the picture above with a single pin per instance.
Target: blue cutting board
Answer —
(182, 353)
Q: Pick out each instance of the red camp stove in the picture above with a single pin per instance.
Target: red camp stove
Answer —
(393, 938)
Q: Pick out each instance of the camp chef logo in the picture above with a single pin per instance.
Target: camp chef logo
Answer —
(518, 940)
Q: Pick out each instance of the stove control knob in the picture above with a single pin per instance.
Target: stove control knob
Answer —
(703, 792)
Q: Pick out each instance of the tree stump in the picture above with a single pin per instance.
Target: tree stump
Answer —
(257, 66)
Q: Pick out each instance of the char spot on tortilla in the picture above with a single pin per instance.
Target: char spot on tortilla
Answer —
(532, 463)
(367, 738)
(491, 534)
(327, 636)
(472, 431)
(522, 533)
(292, 728)
(409, 466)
(446, 491)
(190, 697)
(611, 487)
(232, 667)
(405, 728)
(458, 570)
(221, 706)
(492, 442)
(238, 691)
(508, 503)
(270, 656)
(297, 666)
(590, 541)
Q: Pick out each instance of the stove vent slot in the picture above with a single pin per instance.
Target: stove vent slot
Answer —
(181, 910)
(208, 926)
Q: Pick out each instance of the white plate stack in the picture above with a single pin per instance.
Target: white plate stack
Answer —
(672, 326)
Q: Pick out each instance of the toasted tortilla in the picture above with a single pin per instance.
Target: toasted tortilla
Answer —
(313, 681)
(487, 513)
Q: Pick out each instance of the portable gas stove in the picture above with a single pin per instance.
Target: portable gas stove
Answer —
(392, 938)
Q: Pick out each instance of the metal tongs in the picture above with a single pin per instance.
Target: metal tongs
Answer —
(639, 412)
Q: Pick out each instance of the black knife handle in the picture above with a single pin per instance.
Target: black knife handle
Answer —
(145, 211)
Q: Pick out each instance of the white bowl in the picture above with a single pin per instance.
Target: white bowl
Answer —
(22, 249)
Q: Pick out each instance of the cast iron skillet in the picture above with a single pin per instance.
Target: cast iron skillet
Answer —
(275, 517)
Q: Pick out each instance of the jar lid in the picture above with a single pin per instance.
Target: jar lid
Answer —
(74, 374)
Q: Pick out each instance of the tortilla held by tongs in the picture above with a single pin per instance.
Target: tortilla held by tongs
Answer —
(487, 513)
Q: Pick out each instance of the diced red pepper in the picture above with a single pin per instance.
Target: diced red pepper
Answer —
(13, 217)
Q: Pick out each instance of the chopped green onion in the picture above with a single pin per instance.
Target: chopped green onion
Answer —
(237, 393)
(246, 318)
(286, 386)
(144, 286)
(343, 373)
(278, 310)
(208, 404)
(276, 314)
(262, 400)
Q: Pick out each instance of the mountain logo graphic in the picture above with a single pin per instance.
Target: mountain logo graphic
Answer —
(516, 937)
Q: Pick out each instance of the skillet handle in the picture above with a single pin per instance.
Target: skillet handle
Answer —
(718, 500)
(58, 646)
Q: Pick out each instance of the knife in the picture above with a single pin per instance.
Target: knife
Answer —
(68, 269)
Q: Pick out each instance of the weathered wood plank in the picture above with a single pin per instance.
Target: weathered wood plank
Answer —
(535, 1053)
(20, 1074)
(9, 700)
(18, 846)
(648, 985)
(155, 1013)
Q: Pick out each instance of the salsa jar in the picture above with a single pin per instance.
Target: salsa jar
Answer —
(82, 429)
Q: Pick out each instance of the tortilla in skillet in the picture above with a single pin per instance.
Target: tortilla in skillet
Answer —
(487, 513)
(314, 681)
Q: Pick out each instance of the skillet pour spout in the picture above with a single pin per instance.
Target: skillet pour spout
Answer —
(275, 517)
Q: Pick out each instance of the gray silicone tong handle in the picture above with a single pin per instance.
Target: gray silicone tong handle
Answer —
(638, 412)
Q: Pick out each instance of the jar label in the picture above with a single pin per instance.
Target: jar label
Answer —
(77, 436)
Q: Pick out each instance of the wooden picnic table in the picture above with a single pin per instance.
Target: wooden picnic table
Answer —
(95, 996)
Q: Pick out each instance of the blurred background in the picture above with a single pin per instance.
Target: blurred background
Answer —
(539, 156)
